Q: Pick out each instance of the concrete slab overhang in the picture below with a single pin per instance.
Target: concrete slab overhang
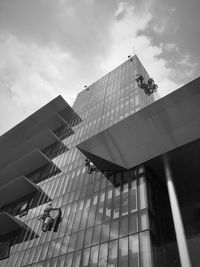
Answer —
(16, 189)
(42, 140)
(53, 115)
(160, 127)
(8, 223)
(26, 164)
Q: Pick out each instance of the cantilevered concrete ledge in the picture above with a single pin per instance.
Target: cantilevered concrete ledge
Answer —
(162, 126)
(23, 166)
(8, 223)
(52, 116)
(40, 141)
(16, 189)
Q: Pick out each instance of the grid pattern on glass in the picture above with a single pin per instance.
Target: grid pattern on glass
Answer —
(103, 221)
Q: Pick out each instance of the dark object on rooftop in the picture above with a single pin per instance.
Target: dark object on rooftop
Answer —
(129, 56)
(86, 87)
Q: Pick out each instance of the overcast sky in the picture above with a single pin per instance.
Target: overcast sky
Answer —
(52, 47)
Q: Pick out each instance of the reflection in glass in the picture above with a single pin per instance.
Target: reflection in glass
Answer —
(114, 229)
(65, 245)
(79, 243)
(57, 247)
(133, 223)
(61, 261)
(112, 256)
(68, 262)
(85, 257)
(116, 203)
(142, 193)
(88, 237)
(94, 256)
(144, 225)
(105, 232)
(96, 234)
(133, 251)
(77, 259)
(124, 203)
(132, 200)
(145, 250)
(72, 242)
(123, 226)
(103, 253)
(53, 263)
(123, 252)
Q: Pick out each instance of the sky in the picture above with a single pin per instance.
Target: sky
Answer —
(53, 47)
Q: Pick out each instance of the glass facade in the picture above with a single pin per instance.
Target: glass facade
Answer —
(107, 218)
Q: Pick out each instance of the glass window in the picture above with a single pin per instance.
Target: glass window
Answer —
(145, 250)
(107, 205)
(96, 234)
(44, 251)
(78, 216)
(85, 257)
(116, 205)
(72, 242)
(79, 243)
(68, 262)
(142, 193)
(100, 210)
(51, 249)
(133, 223)
(71, 217)
(123, 252)
(114, 229)
(37, 254)
(105, 232)
(133, 251)
(94, 256)
(91, 215)
(53, 263)
(85, 214)
(144, 222)
(103, 254)
(88, 237)
(112, 256)
(133, 199)
(124, 203)
(25, 258)
(57, 247)
(31, 255)
(123, 226)
(61, 261)
(77, 259)
(64, 246)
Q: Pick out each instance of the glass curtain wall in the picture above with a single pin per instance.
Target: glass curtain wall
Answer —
(105, 219)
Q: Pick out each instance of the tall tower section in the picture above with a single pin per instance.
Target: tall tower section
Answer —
(105, 209)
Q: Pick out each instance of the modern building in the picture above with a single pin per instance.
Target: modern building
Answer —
(138, 205)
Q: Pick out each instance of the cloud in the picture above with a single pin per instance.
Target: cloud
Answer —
(31, 75)
(80, 26)
(49, 48)
(163, 17)
(128, 34)
(56, 47)
(170, 47)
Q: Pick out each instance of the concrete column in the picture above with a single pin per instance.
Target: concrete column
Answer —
(176, 214)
